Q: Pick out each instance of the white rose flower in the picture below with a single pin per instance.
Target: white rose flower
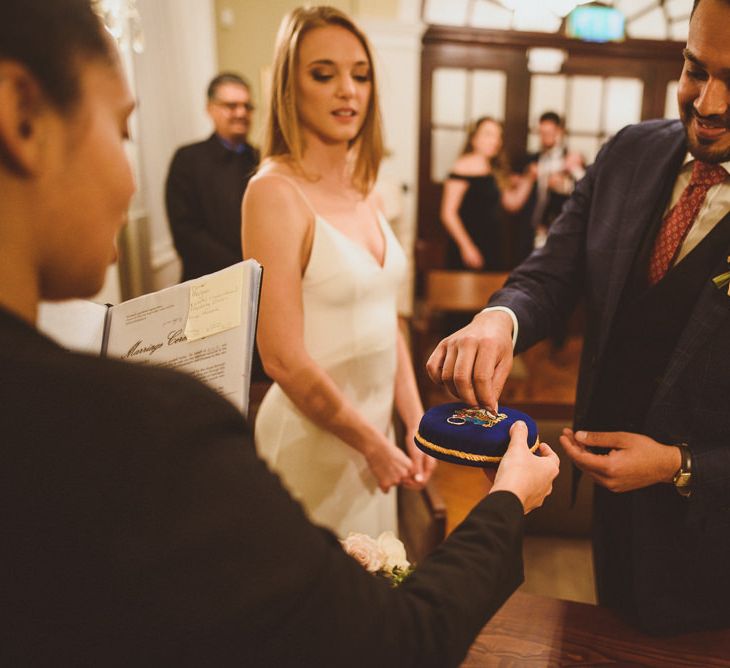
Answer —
(395, 551)
(365, 550)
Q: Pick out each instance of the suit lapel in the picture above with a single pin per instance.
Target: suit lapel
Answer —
(653, 179)
(711, 310)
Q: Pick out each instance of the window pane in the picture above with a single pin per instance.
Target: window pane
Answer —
(547, 93)
(634, 7)
(545, 61)
(446, 146)
(446, 12)
(671, 107)
(584, 105)
(623, 103)
(651, 25)
(535, 17)
(449, 97)
(679, 30)
(533, 142)
(678, 9)
(585, 145)
(487, 94)
(486, 14)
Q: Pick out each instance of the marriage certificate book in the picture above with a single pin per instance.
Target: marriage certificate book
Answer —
(205, 327)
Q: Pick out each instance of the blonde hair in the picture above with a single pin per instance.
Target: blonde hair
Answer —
(283, 133)
(499, 163)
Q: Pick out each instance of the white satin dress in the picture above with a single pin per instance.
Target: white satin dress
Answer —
(350, 328)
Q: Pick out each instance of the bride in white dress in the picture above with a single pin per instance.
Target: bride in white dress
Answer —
(328, 333)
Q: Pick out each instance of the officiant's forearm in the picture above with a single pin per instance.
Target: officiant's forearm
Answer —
(466, 579)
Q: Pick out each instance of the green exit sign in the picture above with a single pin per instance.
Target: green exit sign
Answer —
(596, 24)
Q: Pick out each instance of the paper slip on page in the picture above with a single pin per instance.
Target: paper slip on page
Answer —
(215, 304)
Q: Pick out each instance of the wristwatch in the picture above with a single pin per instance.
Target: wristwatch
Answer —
(683, 477)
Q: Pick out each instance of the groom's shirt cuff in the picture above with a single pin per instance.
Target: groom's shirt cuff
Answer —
(512, 315)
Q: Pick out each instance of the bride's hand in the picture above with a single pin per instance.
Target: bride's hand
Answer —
(388, 463)
(423, 465)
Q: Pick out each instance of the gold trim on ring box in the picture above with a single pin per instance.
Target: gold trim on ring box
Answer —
(465, 455)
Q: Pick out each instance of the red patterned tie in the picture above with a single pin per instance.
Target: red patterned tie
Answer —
(680, 217)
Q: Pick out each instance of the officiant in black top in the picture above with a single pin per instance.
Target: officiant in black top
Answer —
(206, 182)
(139, 527)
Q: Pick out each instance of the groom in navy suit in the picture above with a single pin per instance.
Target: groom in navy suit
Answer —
(640, 242)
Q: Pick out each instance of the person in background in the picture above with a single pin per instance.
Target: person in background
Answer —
(139, 526)
(640, 241)
(558, 170)
(206, 182)
(476, 193)
(328, 333)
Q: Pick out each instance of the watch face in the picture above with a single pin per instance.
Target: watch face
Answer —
(682, 479)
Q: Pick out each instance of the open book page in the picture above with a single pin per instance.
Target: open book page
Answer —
(220, 308)
(74, 324)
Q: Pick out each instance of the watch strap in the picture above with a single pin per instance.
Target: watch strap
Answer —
(683, 477)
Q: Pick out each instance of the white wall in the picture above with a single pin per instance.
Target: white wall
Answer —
(397, 47)
(171, 77)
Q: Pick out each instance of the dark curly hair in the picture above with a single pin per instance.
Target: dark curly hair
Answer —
(51, 38)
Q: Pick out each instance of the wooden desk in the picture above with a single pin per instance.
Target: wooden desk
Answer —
(537, 631)
(461, 291)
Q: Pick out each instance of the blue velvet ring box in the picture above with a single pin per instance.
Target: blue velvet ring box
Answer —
(464, 434)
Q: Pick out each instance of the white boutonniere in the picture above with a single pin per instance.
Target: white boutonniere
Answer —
(385, 555)
(723, 280)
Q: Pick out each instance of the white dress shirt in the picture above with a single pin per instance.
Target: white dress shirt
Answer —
(713, 209)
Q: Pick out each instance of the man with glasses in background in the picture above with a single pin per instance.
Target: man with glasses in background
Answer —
(207, 180)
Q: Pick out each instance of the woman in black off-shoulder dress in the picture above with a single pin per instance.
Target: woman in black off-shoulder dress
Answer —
(477, 192)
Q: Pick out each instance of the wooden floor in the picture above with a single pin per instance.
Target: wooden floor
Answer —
(555, 565)
(558, 560)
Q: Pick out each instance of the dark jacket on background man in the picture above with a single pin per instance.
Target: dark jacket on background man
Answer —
(204, 189)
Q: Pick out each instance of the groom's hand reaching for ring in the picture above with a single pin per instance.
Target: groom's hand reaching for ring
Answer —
(474, 362)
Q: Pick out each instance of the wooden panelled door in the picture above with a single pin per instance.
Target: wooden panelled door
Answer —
(467, 73)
